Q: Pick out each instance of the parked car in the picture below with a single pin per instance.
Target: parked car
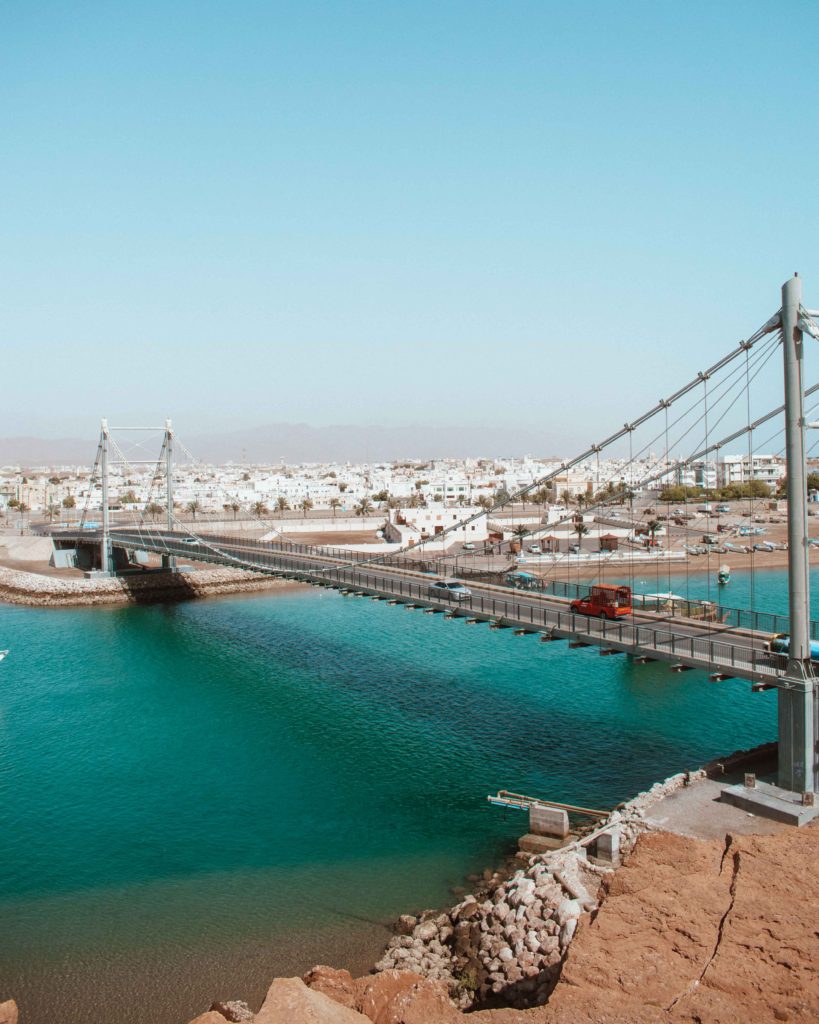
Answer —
(451, 589)
(534, 549)
(189, 540)
(468, 546)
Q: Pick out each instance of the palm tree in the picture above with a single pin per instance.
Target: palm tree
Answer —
(520, 532)
(364, 507)
(416, 500)
(484, 502)
(259, 509)
(193, 507)
(305, 505)
(52, 510)
(282, 504)
(580, 529)
(234, 508)
(334, 504)
(154, 510)
(653, 525)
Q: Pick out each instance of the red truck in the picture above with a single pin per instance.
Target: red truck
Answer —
(606, 601)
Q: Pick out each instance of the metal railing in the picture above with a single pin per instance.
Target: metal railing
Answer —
(730, 655)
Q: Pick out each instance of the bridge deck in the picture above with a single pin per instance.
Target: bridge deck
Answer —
(684, 643)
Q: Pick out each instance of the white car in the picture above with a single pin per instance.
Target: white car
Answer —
(468, 546)
(450, 589)
(534, 549)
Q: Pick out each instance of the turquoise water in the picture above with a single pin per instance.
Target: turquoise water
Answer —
(196, 797)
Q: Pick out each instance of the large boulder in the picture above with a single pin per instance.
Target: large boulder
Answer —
(290, 1001)
(8, 1012)
(338, 985)
(211, 1017)
(402, 997)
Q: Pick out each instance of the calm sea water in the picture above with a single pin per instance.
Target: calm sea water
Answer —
(196, 797)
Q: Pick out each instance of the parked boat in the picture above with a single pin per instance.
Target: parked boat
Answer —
(724, 575)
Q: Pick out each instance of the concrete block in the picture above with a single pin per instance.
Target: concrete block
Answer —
(608, 847)
(772, 802)
(548, 821)
(539, 844)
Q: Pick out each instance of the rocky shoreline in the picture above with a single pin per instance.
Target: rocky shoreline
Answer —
(506, 943)
(38, 591)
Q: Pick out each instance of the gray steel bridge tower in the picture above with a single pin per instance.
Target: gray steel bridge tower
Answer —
(798, 698)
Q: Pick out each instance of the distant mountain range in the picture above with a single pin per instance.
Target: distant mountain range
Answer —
(299, 442)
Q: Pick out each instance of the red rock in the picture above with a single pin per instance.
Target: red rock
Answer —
(402, 997)
(338, 985)
(211, 1017)
(290, 1001)
(8, 1012)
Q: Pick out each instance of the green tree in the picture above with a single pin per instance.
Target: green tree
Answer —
(364, 507)
(382, 496)
(259, 509)
(580, 528)
(305, 505)
(653, 525)
(520, 532)
(193, 507)
(69, 502)
(282, 504)
(334, 504)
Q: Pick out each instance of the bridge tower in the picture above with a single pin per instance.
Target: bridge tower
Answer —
(798, 697)
(106, 550)
(169, 561)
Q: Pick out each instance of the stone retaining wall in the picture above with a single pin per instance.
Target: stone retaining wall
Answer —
(28, 588)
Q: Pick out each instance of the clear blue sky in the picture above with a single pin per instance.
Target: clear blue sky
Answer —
(237, 213)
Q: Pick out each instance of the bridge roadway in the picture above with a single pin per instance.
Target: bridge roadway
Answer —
(723, 651)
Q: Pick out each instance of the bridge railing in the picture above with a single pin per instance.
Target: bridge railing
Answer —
(715, 652)
(738, 618)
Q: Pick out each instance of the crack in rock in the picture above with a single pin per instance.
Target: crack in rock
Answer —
(732, 892)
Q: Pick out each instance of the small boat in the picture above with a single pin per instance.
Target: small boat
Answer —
(724, 575)
(3, 654)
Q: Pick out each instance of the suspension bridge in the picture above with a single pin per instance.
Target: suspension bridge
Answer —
(727, 642)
